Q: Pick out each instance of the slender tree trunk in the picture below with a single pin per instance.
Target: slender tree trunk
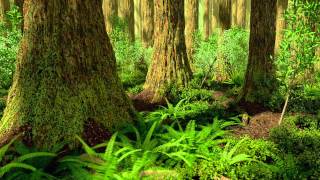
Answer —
(241, 14)
(65, 82)
(110, 11)
(192, 20)
(126, 12)
(206, 19)
(248, 13)
(4, 8)
(170, 65)
(234, 12)
(281, 24)
(214, 14)
(225, 14)
(260, 79)
(147, 11)
(19, 4)
(137, 18)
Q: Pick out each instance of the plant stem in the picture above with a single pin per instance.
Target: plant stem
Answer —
(284, 108)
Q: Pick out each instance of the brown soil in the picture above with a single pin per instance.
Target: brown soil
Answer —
(94, 133)
(259, 125)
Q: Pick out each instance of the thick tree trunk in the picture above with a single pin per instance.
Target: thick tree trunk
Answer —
(225, 14)
(260, 79)
(206, 19)
(170, 65)
(126, 13)
(234, 12)
(214, 14)
(281, 24)
(65, 80)
(192, 20)
(241, 14)
(110, 11)
(4, 8)
(147, 11)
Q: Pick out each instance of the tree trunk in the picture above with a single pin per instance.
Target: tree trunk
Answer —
(260, 79)
(66, 81)
(147, 11)
(4, 8)
(241, 14)
(137, 19)
(126, 13)
(110, 11)
(206, 19)
(192, 20)
(234, 12)
(248, 13)
(19, 4)
(170, 65)
(225, 14)
(281, 24)
(214, 14)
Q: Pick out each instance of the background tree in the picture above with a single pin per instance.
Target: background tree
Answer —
(126, 13)
(65, 82)
(234, 12)
(281, 24)
(19, 4)
(206, 19)
(214, 14)
(192, 21)
(260, 80)
(225, 14)
(241, 14)
(110, 11)
(170, 65)
(147, 11)
(4, 8)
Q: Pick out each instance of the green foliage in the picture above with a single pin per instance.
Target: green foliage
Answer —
(10, 36)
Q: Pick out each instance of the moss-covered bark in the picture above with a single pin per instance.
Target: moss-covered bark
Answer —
(110, 11)
(126, 13)
(65, 75)
(147, 12)
(192, 21)
(170, 65)
(260, 79)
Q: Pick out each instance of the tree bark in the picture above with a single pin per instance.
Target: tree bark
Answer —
(281, 24)
(19, 4)
(241, 14)
(65, 77)
(214, 14)
(206, 19)
(260, 75)
(225, 14)
(4, 8)
(110, 11)
(147, 11)
(192, 20)
(126, 13)
(234, 12)
(170, 65)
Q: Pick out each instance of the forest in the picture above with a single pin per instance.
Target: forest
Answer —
(159, 89)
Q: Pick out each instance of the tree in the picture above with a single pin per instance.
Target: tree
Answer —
(110, 11)
(281, 24)
(126, 13)
(241, 14)
(214, 14)
(234, 12)
(4, 8)
(65, 82)
(260, 80)
(19, 4)
(206, 19)
(147, 11)
(225, 14)
(170, 65)
(192, 16)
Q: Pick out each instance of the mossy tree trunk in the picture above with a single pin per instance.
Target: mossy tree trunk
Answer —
(281, 24)
(225, 14)
(170, 65)
(241, 14)
(260, 76)
(110, 11)
(214, 14)
(147, 11)
(234, 12)
(126, 13)
(4, 8)
(206, 19)
(192, 21)
(65, 76)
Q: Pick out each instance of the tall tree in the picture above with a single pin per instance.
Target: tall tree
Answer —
(147, 11)
(126, 13)
(4, 8)
(260, 81)
(225, 14)
(65, 82)
(214, 14)
(234, 12)
(241, 14)
(170, 65)
(206, 19)
(281, 24)
(192, 20)
(19, 4)
(110, 11)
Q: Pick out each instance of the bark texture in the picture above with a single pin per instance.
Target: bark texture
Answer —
(281, 24)
(241, 14)
(234, 12)
(126, 13)
(170, 65)
(65, 76)
(110, 11)
(206, 19)
(192, 20)
(4, 8)
(260, 79)
(225, 14)
(147, 11)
